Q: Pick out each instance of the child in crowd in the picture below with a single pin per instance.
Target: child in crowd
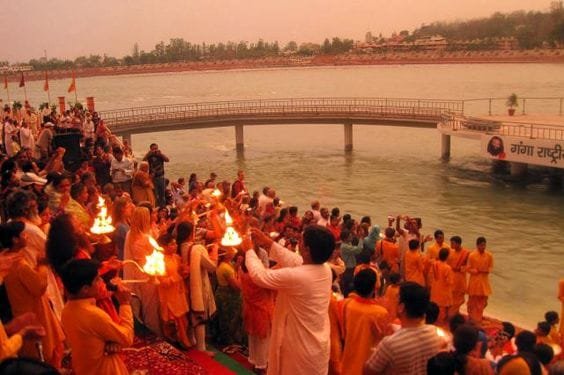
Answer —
(89, 329)
(172, 295)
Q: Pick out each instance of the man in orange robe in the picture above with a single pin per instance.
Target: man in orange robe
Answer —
(480, 265)
(432, 253)
(414, 264)
(442, 281)
(364, 323)
(387, 250)
(457, 259)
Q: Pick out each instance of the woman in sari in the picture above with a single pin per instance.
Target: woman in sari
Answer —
(142, 185)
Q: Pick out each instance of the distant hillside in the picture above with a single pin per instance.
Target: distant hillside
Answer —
(531, 29)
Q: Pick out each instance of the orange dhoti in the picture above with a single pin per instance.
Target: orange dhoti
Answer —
(476, 307)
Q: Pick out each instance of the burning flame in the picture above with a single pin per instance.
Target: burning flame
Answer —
(216, 193)
(228, 219)
(155, 264)
(102, 222)
(230, 237)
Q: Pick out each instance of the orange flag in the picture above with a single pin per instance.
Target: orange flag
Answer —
(72, 86)
(22, 81)
(6, 82)
(46, 84)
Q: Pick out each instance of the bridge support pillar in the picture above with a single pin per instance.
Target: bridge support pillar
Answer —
(239, 138)
(518, 169)
(445, 147)
(348, 136)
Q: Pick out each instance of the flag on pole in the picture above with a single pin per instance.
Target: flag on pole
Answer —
(72, 86)
(22, 81)
(46, 84)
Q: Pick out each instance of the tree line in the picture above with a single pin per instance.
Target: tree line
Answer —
(531, 29)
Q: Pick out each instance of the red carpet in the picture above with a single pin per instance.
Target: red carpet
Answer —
(156, 357)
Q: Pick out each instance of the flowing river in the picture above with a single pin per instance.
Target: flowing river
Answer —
(391, 170)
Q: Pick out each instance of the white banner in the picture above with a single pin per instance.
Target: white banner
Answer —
(524, 150)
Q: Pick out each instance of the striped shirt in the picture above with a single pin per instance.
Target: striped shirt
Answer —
(406, 352)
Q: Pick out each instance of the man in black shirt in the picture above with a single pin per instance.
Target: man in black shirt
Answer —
(156, 160)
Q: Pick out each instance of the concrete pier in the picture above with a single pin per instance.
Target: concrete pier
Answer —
(126, 137)
(348, 126)
(445, 147)
(518, 169)
(239, 138)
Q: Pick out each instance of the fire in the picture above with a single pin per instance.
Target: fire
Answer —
(102, 222)
(154, 263)
(230, 237)
(216, 193)
(228, 219)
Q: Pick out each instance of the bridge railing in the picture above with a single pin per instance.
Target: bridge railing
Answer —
(526, 105)
(382, 107)
(513, 129)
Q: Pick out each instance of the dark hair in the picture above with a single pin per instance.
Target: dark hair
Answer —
(26, 366)
(366, 219)
(551, 317)
(394, 277)
(413, 244)
(184, 231)
(27, 166)
(438, 232)
(364, 257)
(76, 189)
(465, 338)
(62, 242)
(345, 234)
(320, 242)
(390, 232)
(9, 231)
(346, 218)
(456, 239)
(480, 240)
(432, 313)
(543, 328)
(364, 282)
(442, 363)
(335, 212)
(415, 298)
(78, 273)
(443, 254)
(293, 210)
(525, 341)
(544, 353)
(456, 321)
(165, 239)
(18, 204)
(508, 328)
(57, 178)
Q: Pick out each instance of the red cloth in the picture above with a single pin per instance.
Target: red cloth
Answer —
(258, 307)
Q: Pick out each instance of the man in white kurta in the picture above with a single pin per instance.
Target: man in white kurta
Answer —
(300, 329)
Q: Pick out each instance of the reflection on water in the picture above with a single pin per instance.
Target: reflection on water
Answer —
(391, 170)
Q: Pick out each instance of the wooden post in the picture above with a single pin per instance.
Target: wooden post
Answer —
(239, 138)
(348, 126)
(445, 147)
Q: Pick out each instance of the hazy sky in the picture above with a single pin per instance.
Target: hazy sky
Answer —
(67, 29)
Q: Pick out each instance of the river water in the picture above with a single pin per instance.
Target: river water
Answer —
(391, 170)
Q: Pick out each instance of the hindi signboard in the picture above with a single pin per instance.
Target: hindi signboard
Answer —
(549, 153)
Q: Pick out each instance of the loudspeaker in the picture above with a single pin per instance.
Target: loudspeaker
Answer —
(73, 154)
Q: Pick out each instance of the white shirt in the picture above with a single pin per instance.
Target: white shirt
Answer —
(299, 342)
(121, 171)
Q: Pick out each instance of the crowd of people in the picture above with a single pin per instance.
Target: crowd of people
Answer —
(316, 293)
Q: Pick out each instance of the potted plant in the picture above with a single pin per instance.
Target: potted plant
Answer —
(511, 103)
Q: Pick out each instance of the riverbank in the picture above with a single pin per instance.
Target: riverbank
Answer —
(548, 56)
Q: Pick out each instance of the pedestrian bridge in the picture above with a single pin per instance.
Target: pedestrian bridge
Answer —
(448, 116)
(421, 113)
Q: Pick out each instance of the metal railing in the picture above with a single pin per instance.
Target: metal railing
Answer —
(527, 105)
(397, 108)
(514, 129)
